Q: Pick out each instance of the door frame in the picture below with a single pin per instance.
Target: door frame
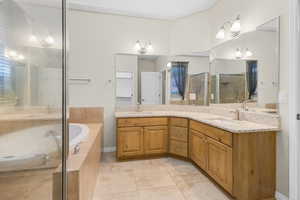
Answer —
(294, 98)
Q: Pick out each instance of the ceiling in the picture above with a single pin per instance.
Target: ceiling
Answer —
(158, 9)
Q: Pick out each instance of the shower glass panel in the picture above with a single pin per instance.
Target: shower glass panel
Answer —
(32, 106)
(198, 89)
(228, 88)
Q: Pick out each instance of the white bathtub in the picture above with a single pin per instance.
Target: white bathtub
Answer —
(38, 147)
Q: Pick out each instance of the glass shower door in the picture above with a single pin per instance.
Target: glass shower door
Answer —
(32, 100)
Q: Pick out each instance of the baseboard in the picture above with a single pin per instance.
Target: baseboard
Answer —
(109, 149)
(280, 196)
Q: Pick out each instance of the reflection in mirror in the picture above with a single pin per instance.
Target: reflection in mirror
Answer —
(159, 79)
(194, 84)
(246, 69)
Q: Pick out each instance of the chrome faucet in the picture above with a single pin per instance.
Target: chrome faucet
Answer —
(138, 107)
(244, 104)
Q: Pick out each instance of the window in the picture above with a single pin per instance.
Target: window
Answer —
(178, 80)
(7, 94)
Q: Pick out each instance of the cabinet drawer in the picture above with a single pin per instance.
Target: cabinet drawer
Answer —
(179, 133)
(153, 121)
(181, 122)
(220, 135)
(179, 148)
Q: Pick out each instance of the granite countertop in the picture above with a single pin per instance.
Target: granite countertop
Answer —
(225, 123)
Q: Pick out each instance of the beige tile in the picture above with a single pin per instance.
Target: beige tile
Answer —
(120, 196)
(114, 183)
(152, 178)
(187, 181)
(204, 191)
(164, 193)
(184, 170)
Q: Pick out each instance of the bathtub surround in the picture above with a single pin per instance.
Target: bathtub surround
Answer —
(83, 167)
(83, 164)
(86, 115)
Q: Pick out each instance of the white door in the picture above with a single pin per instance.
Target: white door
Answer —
(151, 88)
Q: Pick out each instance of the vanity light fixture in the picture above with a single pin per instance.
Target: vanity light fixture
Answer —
(13, 55)
(33, 39)
(238, 54)
(143, 48)
(47, 42)
(234, 28)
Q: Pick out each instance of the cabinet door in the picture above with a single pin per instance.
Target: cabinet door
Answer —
(156, 139)
(198, 149)
(130, 142)
(219, 164)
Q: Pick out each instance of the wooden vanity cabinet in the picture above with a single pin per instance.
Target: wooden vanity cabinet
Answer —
(137, 137)
(219, 163)
(198, 149)
(178, 130)
(130, 141)
(156, 140)
(244, 164)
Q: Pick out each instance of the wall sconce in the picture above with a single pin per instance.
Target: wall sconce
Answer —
(239, 54)
(143, 48)
(13, 55)
(235, 28)
(47, 42)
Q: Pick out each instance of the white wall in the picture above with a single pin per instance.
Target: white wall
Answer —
(94, 40)
(190, 34)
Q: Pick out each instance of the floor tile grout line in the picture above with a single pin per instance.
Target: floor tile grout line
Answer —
(184, 197)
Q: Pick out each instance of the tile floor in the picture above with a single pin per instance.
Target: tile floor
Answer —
(155, 179)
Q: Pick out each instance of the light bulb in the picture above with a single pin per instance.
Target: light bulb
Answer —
(221, 34)
(236, 26)
(238, 54)
(33, 38)
(248, 53)
(138, 45)
(12, 54)
(20, 57)
(49, 40)
(150, 47)
(6, 53)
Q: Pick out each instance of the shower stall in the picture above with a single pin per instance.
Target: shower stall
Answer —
(33, 100)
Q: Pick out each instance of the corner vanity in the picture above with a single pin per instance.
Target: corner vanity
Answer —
(238, 155)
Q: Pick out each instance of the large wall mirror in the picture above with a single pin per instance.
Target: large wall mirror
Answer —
(242, 70)
(161, 79)
(246, 69)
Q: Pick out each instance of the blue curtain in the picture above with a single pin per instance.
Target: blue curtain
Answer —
(252, 78)
(179, 73)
